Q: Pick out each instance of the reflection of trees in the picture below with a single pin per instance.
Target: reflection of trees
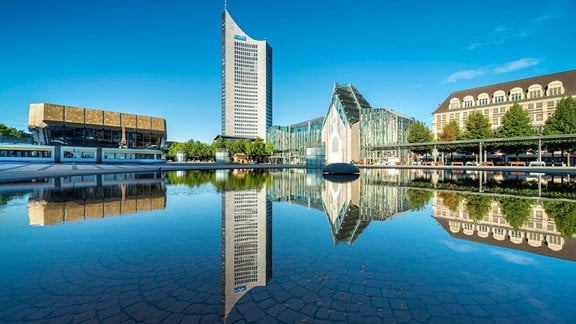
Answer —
(477, 206)
(191, 178)
(419, 198)
(5, 197)
(252, 179)
(451, 200)
(564, 215)
(515, 210)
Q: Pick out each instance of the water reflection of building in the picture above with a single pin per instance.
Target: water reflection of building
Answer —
(297, 186)
(246, 243)
(72, 199)
(381, 195)
(539, 233)
(351, 206)
(341, 202)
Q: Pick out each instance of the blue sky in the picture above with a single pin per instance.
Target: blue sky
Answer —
(162, 58)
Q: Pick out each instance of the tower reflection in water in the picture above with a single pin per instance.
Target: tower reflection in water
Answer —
(246, 236)
(72, 199)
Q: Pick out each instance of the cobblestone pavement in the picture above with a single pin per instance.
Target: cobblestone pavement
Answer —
(175, 288)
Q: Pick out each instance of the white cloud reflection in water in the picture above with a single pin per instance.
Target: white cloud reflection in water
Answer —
(514, 258)
(508, 256)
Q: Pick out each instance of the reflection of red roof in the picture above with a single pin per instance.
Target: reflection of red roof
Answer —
(568, 252)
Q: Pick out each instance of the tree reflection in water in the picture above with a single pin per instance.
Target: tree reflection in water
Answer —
(564, 215)
(516, 210)
(237, 179)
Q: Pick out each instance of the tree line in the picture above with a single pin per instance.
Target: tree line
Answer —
(12, 132)
(515, 210)
(516, 122)
(257, 150)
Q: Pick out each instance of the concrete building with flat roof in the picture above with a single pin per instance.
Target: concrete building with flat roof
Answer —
(52, 124)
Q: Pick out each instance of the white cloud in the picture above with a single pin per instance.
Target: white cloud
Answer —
(499, 35)
(463, 75)
(522, 29)
(456, 247)
(516, 65)
(515, 258)
(512, 66)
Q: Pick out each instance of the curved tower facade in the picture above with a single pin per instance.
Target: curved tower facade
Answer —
(246, 82)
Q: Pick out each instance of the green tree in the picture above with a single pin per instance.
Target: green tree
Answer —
(175, 148)
(451, 132)
(564, 215)
(219, 143)
(419, 133)
(563, 120)
(13, 132)
(257, 149)
(451, 200)
(237, 146)
(269, 149)
(478, 206)
(477, 127)
(515, 123)
(515, 210)
(198, 150)
(418, 198)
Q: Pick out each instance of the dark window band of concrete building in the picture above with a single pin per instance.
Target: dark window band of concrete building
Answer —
(52, 124)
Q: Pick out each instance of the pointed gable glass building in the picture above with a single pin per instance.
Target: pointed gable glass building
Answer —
(246, 82)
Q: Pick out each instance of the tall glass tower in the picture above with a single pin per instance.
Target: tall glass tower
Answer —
(246, 82)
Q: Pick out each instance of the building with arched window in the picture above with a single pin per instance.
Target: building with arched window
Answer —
(538, 95)
(351, 130)
(354, 131)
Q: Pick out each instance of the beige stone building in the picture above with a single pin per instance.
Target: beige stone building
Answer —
(52, 124)
(538, 95)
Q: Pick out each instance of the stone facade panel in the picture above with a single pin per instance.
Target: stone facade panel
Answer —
(143, 122)
(53, 113)
(129, 120)
(94, 117)
(158, 124)
(111, 118)
(74, 115)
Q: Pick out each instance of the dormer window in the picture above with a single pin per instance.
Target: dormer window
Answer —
(535, 91)
(555, 88)
(468, 101)
(516, 94)
(454, 103)
(483, 99)
(499, 96)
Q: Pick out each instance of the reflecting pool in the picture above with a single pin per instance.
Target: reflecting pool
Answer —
(290, 246)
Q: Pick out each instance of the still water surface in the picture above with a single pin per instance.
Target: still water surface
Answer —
(289, 246)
